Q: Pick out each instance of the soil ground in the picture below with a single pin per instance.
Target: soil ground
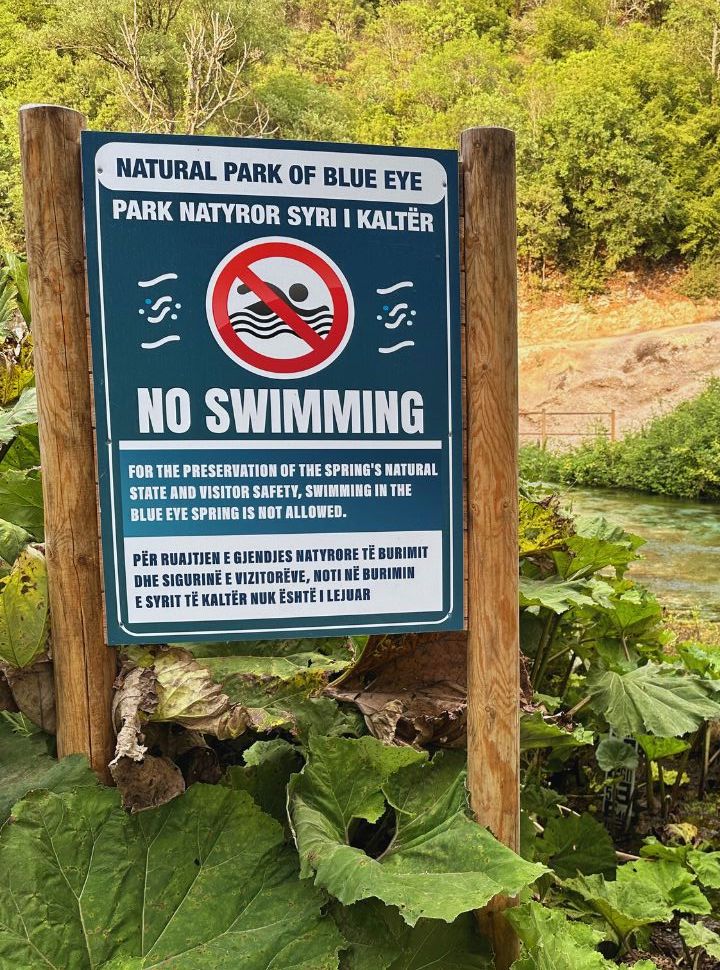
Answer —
(640, 350)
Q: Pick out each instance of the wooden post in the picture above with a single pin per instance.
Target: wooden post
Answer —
(543, 428)
(613, 425)
(84, 667)
(488, 160)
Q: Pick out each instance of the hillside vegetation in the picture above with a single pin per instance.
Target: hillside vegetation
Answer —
(615, 101)
(675, 454)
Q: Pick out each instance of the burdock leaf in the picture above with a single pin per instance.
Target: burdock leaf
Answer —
(698, 935)
(651, 700)
(536, 732)
(201, 883)
(26, 765)
(643, 892)
(438, 864)
(281, 658)
(24, 610)
(13, 540)
(23, 411)
(613, 754)
(265, 775)
(553, 942)
(553, 594)
(21, 500)
(575, 844)
(379, 939)
(706, 866)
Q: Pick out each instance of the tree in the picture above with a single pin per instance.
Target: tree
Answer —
(181, 65)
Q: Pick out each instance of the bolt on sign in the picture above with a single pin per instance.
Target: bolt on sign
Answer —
(276, 356)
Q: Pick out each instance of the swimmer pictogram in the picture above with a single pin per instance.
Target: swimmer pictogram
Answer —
(280, 307)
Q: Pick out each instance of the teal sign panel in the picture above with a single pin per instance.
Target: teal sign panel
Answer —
(276, 360)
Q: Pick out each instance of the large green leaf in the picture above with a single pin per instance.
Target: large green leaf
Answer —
(553, 942)
(556, 595)
(650, 700)
(24, 452)
(596, 545)
(21, 500)
(542, 526)
(697, 935)
(203, 883)
(13, 540)
(706, 866)
(290, 703)
(655, 748)
(575, 844)
(438, 864)
(613, 754)
(24, 610)
(537, 732)
(26, 765)
(379, 939)
(281, 658)
(643, 892)
(701, 658)
(15, 278)
(265, 775)
(23, 411)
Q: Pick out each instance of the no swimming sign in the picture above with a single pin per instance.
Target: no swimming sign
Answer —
(276, 354)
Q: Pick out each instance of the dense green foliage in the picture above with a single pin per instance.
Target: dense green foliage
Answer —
(615, 102)
(282, 829)
(675, 454)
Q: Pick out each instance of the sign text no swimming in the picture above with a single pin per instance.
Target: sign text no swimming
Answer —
(276, 348)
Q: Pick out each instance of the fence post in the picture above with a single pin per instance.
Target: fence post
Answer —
(613, 425)
(543, 428)
(84, 667)
(488, 160)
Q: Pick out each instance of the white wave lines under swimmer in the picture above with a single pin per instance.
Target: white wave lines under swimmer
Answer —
(265, 326)
(398, 346)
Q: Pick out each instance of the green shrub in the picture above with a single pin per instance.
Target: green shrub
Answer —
(537, 464)
(703, 278)
(675, 454)
(592, 463)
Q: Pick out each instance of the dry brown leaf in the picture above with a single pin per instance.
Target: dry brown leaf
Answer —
(33, 691)
(412, 689)
(147, 783)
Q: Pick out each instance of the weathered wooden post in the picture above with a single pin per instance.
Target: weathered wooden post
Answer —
(488, 163)
(84, 666)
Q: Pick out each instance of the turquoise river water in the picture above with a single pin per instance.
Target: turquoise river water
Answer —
(681, 557)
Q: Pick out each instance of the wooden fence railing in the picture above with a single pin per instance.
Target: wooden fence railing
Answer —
(545, 426)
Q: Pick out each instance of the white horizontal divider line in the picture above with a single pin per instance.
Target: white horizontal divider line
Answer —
(304, 444)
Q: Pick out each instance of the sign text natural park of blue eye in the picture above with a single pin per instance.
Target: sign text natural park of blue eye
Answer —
(276, 355)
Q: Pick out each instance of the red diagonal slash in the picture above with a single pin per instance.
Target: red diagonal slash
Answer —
(279, 306)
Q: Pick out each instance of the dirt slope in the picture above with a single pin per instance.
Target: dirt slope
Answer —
(639, 356)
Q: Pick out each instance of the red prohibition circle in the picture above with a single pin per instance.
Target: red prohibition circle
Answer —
(239, 266)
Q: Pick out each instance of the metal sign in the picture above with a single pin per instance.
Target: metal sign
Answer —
(276, 353)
